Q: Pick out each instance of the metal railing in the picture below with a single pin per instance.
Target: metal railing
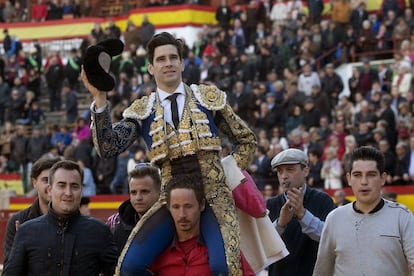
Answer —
(62, 46)
(356, 56)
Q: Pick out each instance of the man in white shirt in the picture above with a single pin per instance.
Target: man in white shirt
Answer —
(371, 236)
(307, 79)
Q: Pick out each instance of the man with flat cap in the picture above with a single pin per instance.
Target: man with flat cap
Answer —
(298, 214)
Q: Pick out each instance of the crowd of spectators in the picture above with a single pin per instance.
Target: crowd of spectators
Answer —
(42, 10)
(265, 56)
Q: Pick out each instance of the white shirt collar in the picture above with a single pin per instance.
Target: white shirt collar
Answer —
(163, 95)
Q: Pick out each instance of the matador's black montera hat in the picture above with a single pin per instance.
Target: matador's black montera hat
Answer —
(97, 62)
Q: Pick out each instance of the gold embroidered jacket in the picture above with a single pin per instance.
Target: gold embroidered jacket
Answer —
(205, 118)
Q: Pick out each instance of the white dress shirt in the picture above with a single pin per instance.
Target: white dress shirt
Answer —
(166, 104)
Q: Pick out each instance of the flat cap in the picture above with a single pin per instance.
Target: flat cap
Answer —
(289, 157)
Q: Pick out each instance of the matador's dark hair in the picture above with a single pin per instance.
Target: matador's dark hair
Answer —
(161, 39)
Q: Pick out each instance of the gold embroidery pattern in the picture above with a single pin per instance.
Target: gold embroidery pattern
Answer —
(219, 197)
(140, 109)
(193, 134)
(159, 149)
(105, 134)
(240, 135)
(95, 136)
(194, 137)
(209, 96)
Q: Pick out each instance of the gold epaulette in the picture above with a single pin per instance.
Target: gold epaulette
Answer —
(209, 96)
(140, 109)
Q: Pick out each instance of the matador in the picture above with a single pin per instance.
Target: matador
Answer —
(191, 146)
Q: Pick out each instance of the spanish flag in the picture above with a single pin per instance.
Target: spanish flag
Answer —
(12, 181)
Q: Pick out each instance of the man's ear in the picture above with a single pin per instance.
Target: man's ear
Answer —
(150, 69)
(384, 178)
(306, 170)
(34, 183)
(348, 178)
(203, 205)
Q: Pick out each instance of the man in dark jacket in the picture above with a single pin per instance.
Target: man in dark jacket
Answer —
(6, 40)
(146, 31)
(72, 69)
(37, 145)
(298, 214)
(63, 242)
(331, 37)
(241, 101)
(4, 99)
(260, 168)
(358, 15)
(387, 114)
(71, 103)
(114, 29)
(311, 114)
(315, 11)
(39, 176)
(15, 107)
(223, 15)
(332, 85)
(18, 148)
(54, 77)
(144, 191)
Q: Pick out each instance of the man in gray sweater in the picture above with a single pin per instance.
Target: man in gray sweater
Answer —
(371, 236)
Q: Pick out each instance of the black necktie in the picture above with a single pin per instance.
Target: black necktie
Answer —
(174, 109)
